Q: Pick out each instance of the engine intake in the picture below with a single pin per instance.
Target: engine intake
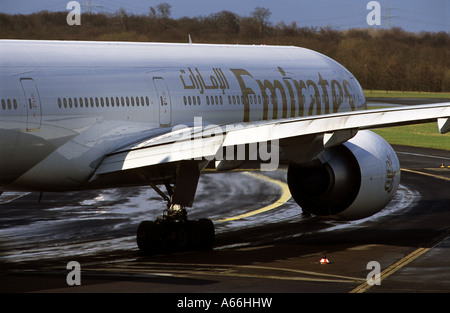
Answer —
(350, 181)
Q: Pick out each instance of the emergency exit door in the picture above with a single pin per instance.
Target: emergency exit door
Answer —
(164, 103)
(33, 104)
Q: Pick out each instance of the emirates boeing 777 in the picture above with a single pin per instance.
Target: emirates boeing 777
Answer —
(84, 115)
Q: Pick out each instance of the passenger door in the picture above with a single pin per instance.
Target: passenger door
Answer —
(164, 102)
(33, 104)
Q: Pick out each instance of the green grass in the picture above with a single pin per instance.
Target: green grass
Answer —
(406, 94)
(419, 135)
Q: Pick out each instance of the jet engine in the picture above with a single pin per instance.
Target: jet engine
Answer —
(350, 181)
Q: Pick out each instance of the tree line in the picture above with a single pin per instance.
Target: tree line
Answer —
(381, 59)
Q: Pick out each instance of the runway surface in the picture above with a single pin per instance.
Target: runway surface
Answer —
(263, 241)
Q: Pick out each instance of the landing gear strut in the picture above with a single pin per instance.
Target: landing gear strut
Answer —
(173, 231)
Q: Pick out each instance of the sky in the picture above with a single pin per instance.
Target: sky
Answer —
(410, 15)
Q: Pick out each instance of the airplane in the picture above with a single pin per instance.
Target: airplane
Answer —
(78, 115)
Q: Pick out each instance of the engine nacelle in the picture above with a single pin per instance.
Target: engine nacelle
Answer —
(350, 181)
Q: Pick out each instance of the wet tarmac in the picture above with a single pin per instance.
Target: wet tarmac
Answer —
(275, 250)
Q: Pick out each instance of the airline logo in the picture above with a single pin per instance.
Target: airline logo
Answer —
(298, 97)
(390, 175)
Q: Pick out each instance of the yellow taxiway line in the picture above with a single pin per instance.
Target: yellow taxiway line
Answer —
(426, 174)
(285, 196)
(402, 262)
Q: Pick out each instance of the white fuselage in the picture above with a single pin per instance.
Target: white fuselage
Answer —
(65, 105)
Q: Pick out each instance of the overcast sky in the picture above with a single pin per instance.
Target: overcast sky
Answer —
(411, 15)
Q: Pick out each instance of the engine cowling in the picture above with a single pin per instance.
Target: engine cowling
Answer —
(350, 181)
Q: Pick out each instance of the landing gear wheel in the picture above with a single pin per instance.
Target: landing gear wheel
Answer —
(147, 238)
(207, 234)
(181, 237)
(195, 235)
(172, 236)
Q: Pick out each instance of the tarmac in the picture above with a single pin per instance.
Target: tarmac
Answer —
(274, 251)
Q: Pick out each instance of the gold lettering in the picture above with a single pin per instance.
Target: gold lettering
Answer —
(195, 80)
(224, 83)
(245, 90)
(291, 96)
(299, 86)
(323, 83)
(291, 92)
(348, 94)
(203, 84)
(340, 93)
(315, 101)
(265, 100)
(218, 80)
(184, 84)
(272, 87)
(337, 95)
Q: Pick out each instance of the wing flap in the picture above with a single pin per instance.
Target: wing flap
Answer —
(186, 146)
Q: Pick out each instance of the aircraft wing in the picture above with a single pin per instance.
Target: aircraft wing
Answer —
(186, 143)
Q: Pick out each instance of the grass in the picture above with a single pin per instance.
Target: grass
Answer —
(406, 94)
(418, 135)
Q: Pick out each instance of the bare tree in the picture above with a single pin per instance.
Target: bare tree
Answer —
(164, 9)
(261, 16)
(227, 22)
